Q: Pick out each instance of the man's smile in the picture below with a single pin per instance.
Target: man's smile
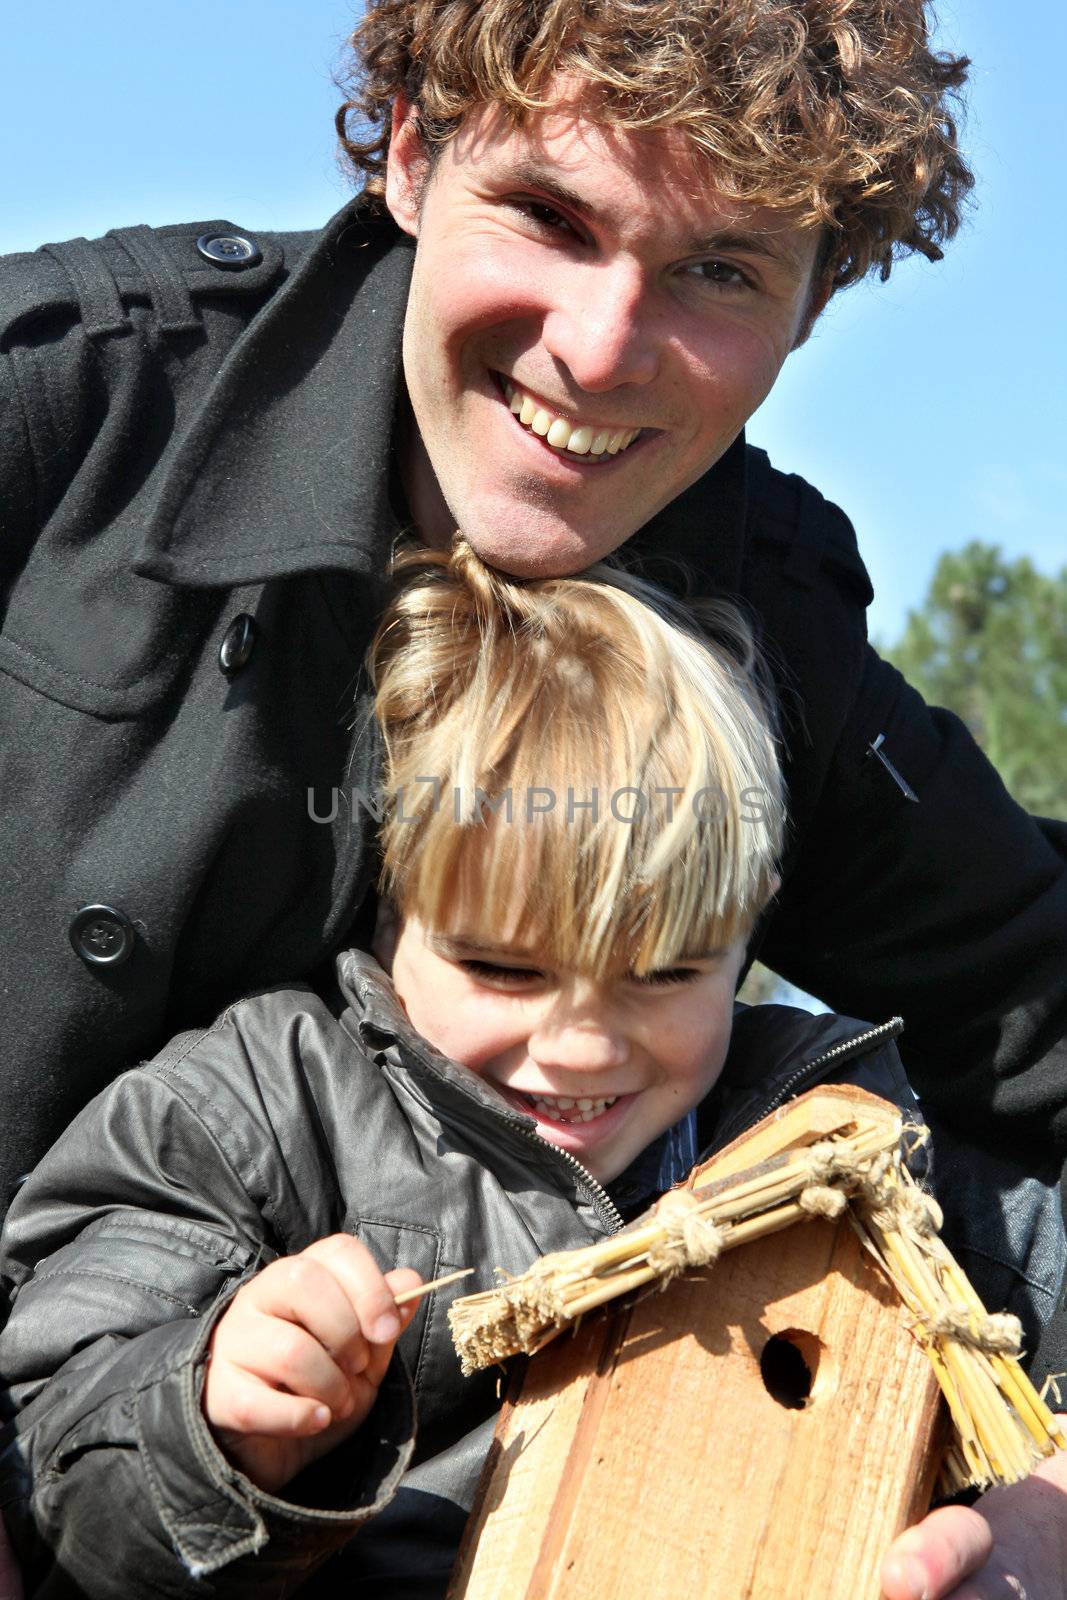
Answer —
(591, 442)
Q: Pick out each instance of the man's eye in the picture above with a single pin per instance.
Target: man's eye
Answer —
(543, 215)
(721, 274)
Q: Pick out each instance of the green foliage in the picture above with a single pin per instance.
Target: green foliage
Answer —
(990, 643)
(761, 986)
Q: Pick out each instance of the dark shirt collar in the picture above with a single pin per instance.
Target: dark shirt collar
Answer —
(286, 467)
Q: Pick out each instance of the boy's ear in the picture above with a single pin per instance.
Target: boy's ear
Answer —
(407, 167)
(386, 933)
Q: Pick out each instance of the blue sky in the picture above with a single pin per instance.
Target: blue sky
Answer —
(932, 408)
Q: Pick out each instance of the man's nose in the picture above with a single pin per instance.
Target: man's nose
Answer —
(602, 327)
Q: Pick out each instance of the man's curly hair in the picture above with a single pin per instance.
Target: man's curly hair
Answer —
(835, 109)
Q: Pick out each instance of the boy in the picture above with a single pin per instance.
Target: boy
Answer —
(586, 816)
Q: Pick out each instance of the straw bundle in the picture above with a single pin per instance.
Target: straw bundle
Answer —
(1003, 1428)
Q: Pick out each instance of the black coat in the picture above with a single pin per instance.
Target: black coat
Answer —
(287, 1120)
(183, 444)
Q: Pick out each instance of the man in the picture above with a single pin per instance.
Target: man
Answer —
(605, 228)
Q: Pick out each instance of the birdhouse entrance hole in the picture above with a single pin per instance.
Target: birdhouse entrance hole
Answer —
(788, 1365)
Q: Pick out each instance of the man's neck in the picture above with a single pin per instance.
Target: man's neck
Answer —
(429, 515)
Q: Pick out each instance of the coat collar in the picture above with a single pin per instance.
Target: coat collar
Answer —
(286, 466)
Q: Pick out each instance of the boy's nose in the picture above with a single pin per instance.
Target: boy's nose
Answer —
(582, 1038)
(601, 330)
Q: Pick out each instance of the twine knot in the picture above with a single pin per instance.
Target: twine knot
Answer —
(819, 1200)
(996, 1333)
(689, 1238)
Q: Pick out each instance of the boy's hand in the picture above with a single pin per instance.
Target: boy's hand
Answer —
(296, 1359)
(1010, 1545)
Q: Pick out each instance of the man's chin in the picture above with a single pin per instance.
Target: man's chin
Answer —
(537, 551)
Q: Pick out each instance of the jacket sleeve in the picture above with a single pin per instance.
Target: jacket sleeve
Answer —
(949, 908)
(122, 1250)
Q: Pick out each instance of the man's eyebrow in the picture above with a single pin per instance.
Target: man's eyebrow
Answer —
(529, 175)
(762, 244)
(753, 242)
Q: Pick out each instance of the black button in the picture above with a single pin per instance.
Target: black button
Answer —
(102, 936)
(232, 252)
(236, 648)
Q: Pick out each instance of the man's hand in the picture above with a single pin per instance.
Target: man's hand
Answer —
(297, 1357)
(1010, 1545)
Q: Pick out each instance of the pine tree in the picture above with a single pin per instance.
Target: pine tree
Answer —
(990, 643)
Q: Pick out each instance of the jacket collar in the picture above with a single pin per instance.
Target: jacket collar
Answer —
(286, 466)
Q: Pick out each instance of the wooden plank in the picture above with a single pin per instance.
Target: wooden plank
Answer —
(531, 1446)
(834, 1108)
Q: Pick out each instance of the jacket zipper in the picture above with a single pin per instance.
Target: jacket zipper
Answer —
(602, 1200)
(605, 1204)
(858, 1045)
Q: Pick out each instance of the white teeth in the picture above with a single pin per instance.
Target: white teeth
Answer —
(562, 435)
(584, 1110)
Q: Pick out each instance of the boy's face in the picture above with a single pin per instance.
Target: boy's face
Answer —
(602, 1065)
(595, 273)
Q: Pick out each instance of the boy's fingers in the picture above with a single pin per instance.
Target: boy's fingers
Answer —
(931, 1559)
(363, 1281)
(302, 1290)
(400, 1280)
(237, 1402)
(286, 1356)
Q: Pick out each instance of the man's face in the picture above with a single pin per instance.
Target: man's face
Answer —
(587, 283)
(602, 1065)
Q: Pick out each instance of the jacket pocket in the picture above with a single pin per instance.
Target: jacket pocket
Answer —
(407, 1244)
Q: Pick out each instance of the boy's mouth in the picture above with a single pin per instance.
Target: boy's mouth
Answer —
(562, 1108)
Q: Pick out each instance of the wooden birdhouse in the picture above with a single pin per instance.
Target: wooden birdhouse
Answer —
(760, 1429)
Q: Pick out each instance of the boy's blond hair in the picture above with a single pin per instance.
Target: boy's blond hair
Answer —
(574, 759)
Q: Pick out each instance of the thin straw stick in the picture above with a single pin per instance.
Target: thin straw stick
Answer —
(406, 1296)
